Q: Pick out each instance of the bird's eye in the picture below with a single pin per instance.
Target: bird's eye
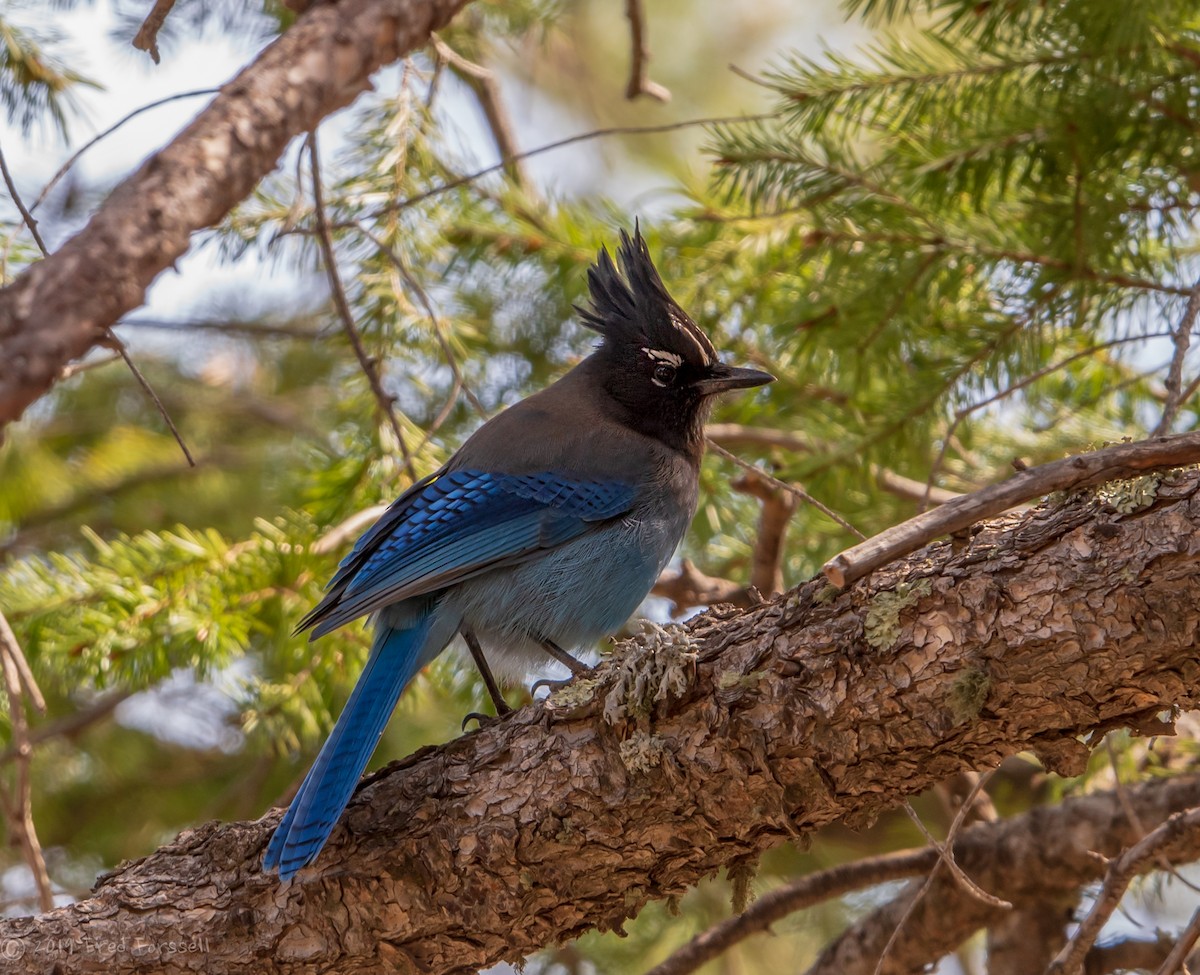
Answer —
(664, 375)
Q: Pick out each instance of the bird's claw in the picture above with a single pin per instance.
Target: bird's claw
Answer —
(554, 685)
(502, 711)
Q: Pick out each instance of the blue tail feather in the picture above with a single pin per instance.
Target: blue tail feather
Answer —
(395, 658)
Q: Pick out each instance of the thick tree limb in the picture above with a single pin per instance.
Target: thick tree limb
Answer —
(59, 308)
(572, 813)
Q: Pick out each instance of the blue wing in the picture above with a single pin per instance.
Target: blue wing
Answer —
(456, 525)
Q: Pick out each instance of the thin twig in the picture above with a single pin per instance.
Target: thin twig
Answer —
(1134, 819)
(733, 434)
(974, 248)
(246, 328)
(1183, 947)
(342, 532)
(19, 684)
(1174, 381)
(639, 66)
(75, 368)
(434, 319)
(1071, 473)
(1121, 871)
(113, 342)
(110, 338)
(65, 168)
(26, 216)
(26, 683)
(805, 892)
(70, 725)
(385, 401)
(963, 412)
(784, 486)
(562, 144)
(146, 38)
(946, 857)
(484, 86)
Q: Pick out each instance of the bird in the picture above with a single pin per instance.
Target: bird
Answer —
(543, 532)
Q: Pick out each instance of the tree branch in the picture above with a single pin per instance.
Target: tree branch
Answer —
(18, 684)
(1070, 474)
(146, 39)
(1174, 381)
(639, 64)
(1038, 860)
(766, 569)
(1173, 963)
(1179, 834)
(59, 308)
(572, 813)
(483, 84)
(777, 904)
(690, 587)
(369, 366)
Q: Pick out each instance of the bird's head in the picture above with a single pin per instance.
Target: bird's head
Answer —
(660, 369)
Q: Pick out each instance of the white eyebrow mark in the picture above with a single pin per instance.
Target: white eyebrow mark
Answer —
(658, 355)
(696, 337)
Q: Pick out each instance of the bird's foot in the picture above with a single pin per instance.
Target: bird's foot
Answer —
(485, 719)
(553, 685)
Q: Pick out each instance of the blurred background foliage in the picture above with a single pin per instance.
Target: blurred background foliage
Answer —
(963, 237)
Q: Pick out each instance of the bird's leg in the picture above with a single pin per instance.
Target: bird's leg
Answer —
(502, 707)
(576, 667)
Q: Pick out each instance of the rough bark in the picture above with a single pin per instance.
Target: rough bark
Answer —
(61, 307)
(640, 780)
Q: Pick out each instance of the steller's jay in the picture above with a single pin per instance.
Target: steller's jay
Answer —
(544, 531)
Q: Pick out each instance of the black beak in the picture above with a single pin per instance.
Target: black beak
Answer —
(722, 378)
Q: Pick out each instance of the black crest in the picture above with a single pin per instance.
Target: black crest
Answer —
(636, 309)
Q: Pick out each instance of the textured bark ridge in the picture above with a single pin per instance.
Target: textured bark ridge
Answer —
(59, 308)
(700, 746)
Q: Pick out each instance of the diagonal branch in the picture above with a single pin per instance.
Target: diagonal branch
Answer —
(1072, 473)
(383, 399)
(1039, 860)
(483, 84)
(1174, 380)
(61, 307)
(1180, 832)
